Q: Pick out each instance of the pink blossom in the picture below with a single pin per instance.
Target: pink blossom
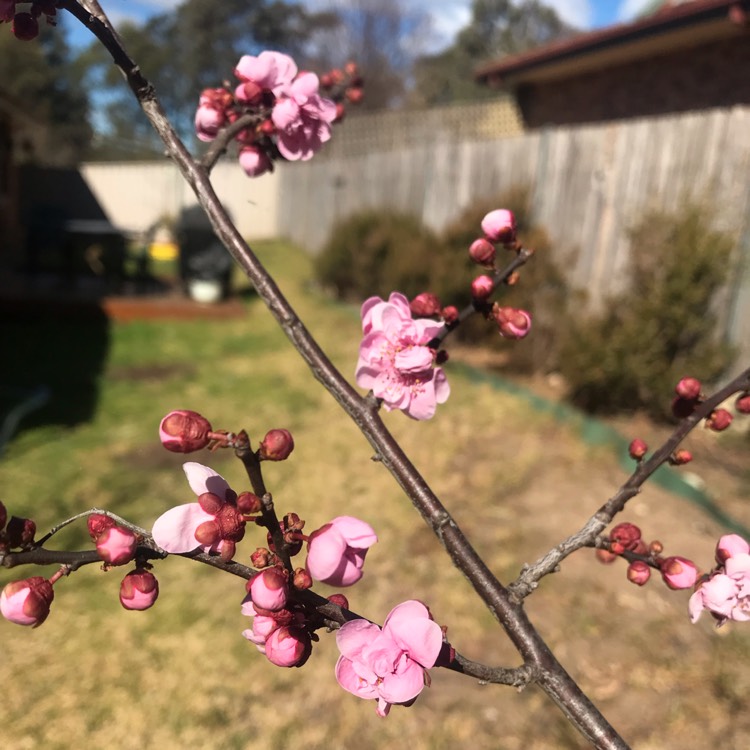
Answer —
(395, 361)
(726, 594)
(678, 572)
(213, 523)
(139, 590)
(116, 545)
(254, 161)
(27, 602)
(499, 226)
(288, 646)
(272, 71)
(336, 552)
(262, 627)
(389, 664)
(269, 589)
(303, 118)
(211, 115)
(730, 545)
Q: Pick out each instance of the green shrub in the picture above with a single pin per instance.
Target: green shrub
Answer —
(661, 327)
(376, 253)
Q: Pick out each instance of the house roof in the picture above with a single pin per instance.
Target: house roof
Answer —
(674, 26)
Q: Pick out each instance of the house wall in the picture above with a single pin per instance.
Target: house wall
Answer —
(716, 74)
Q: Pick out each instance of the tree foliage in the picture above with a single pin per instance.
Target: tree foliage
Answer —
(497, 28)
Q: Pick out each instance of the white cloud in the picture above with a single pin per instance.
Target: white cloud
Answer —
(628, 9)
(578, 13)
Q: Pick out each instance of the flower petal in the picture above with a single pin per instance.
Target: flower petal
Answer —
(174, 531)
(204, 479)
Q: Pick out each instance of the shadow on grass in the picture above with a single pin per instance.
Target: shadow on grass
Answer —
(50, 366)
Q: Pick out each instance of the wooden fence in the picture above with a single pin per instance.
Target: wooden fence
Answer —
(588, 184)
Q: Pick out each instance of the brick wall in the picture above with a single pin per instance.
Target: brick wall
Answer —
(712, 75)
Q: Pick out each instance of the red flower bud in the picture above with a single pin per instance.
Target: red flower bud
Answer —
(688, 388)
(638, 572)
(20, 531)
(626, 534)
(680, 457)
(184, 431)
(355, 94)
(98, 523)
(424, 305)
(637, 449)
(481, 287)
(339, 600)
(276, 445)
(449, 314)
(248, 503)
(262, 558)
(482, 251)
(512, 323)
(301, 579)
(139, 590)
(25, 27)
(718, 420)
(605, 557)
(742, 404)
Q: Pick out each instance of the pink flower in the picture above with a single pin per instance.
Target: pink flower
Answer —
(268, 589)
(389, 664)
(395, 361)
(211, 115)
(139, 590)
(288, 647)
(303, 118)
(27, 602)
(271, 71)
(499, 226)
(678, 573)
(116, 545)
(254, 161)
(726, 594)
(213, 523)
(336, 552)
(730, 545)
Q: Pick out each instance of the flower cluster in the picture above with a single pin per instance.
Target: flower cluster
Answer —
(389, 664)
(725, 592)
(285, 112)
(25, 20)
(395, 359)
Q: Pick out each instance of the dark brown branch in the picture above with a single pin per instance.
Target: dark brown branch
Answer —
(585, 537)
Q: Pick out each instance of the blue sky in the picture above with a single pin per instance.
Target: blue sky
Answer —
(447, 16)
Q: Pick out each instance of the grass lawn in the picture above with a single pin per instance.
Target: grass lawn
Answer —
(181, 675)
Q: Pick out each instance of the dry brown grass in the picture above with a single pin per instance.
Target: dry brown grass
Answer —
(181, 675)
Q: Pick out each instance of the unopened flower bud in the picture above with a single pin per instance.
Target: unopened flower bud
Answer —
(276, 445)
(482, 251)
(254, 161)
(326, 81)
(638, 572)
(688, 388)
(512, 323)
(139, 590)
(98, 523)
(499, 226)
(267, 127)
(268, 589)
(482, 287)
(742, 404)
(116, 545)
(25, 27)
(301, 580)
(248, 503)
(288, 647)
(184, 431)
(626, 534)
(262, 558)
(637, 449)
(656, 547)
(640, 548)
(718, 420)
(449, 314)
(425, 305)
(20, 531)
(678, 572)
(730, 545)
(680, 457)
(27, 602)
(355, 94)
(351, 68)
(339, 600)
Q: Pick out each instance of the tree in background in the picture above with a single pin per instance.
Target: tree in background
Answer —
(497, 28)
(46, 81)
